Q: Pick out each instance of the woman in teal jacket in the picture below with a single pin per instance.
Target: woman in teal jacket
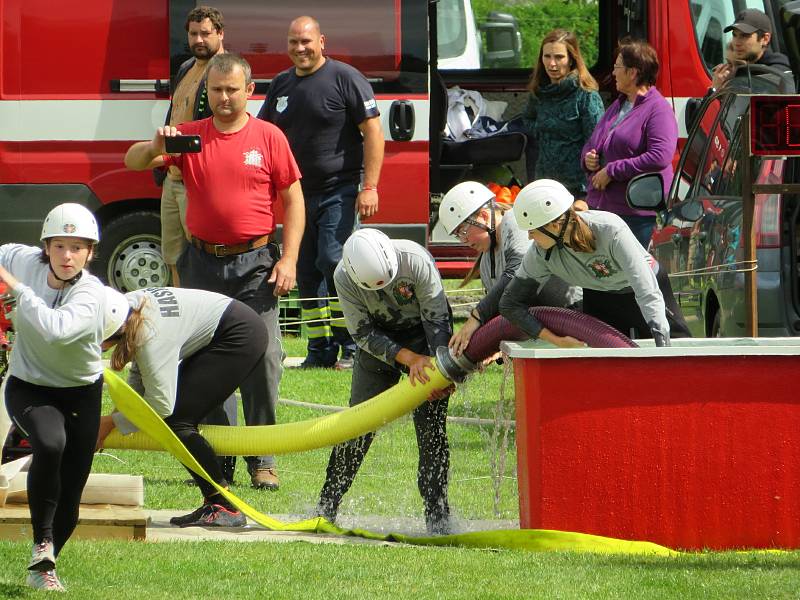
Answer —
(562, 111)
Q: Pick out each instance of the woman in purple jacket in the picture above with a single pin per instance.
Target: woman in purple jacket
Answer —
(637, 134)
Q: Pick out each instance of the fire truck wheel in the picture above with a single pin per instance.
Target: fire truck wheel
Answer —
(129, 255)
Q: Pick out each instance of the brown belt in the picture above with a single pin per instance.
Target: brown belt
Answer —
(220, 250)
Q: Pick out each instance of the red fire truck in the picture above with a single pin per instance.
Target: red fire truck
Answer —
(79, 82)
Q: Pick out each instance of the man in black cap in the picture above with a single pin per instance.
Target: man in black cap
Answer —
(752, 32)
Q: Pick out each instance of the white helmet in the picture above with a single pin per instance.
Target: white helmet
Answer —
(462, 201)
(70, 220)
(540, 202)
(370, 259)
(115, 312)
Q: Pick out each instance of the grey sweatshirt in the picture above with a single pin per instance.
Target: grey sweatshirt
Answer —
(58, 332)
(513, 245)
(178, 323)
(619, 264)
(414, 298)
(508, 253)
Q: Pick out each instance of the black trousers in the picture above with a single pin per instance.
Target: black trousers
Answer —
(245, 277)
(209, 376)
(371, 377)
(623, 313)
(61, 425)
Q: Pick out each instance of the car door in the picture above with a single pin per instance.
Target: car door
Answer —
(676, 239)
(707, 217)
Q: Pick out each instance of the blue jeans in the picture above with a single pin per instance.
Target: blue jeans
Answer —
(641, 226)
(330, 219)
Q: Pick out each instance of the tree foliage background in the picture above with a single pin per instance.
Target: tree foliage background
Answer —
(537, 17)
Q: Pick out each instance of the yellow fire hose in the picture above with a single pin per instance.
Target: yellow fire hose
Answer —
(339, 427)
(287, 438)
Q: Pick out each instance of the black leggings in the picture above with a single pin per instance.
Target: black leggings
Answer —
(209, 376)
(623, 313)
(61, 425)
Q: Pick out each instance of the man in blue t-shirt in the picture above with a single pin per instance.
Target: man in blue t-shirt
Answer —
(328, 112)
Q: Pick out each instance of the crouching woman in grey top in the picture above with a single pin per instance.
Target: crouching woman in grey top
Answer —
(190, 350)
(622, 284)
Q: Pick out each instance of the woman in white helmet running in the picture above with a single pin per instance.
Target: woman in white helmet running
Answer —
(471, 212)
(395, 308)
(55, 375)
(622, 284)
(190, 349)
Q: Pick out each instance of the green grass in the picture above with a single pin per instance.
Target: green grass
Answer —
(136, 570)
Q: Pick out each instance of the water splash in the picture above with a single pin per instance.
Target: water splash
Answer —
(503, 414)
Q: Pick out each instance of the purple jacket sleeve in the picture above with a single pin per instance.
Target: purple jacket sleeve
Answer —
(595, 138)
(661, 133)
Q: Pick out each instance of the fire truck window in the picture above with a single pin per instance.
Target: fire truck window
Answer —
(451, 28)
(505, 34)
(710, 17)
(372, 42)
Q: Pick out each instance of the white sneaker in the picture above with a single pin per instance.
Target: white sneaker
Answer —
(43, 557)
(44, 580)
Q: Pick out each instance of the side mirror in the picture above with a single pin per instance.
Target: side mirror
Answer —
(646, 192)
(688, 211)
(503, 42)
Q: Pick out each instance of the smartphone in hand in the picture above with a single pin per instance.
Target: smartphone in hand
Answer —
(182, 143)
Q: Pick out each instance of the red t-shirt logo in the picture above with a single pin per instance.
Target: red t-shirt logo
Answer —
(253, 158)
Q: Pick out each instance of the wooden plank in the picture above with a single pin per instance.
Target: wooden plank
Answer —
(94, 522)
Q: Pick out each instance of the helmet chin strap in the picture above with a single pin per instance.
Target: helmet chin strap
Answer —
(492, 231)
(70, 281)
(559, 238)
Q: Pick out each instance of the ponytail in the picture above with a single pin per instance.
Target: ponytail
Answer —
(130, 338)
(581, 238)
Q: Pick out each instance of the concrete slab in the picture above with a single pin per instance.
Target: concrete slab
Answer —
(293, 361)
(159, 529)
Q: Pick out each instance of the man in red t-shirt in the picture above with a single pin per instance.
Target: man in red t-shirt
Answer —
(232, 184)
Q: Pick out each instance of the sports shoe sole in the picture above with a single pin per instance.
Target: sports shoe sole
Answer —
(220, 517)
(271, 487)
(45, 580)
(191, 518)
